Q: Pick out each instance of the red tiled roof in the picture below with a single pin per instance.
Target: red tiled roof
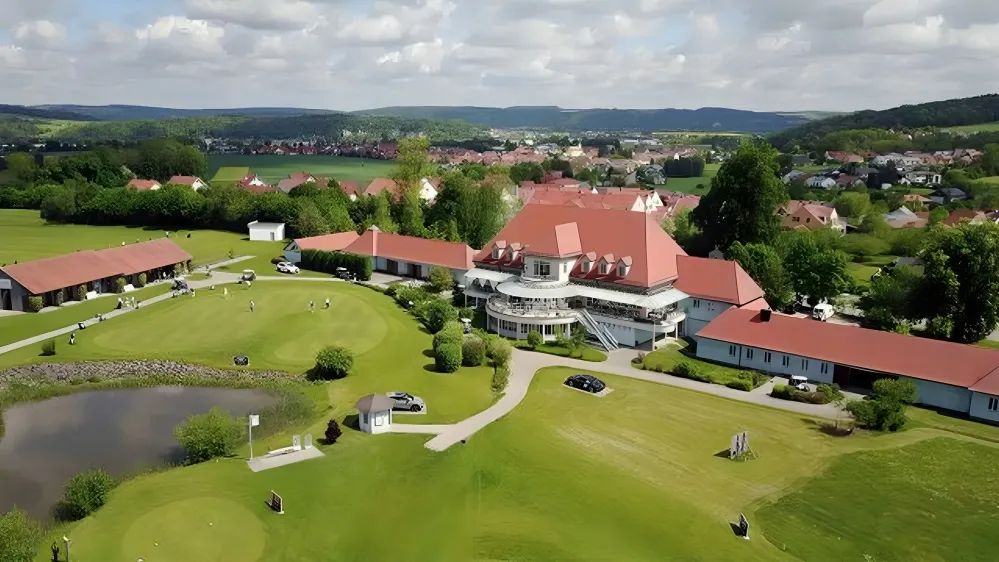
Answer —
(717, 280)
(961, 215)
(601, 232)
(378, 185)
(328, 242)
(374, 242)
(185, 180)
(144, 185)
(350, 187)
(49, 274)
(955, 364)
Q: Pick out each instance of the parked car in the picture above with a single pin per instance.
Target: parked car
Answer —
(823, 312)
(406, 401)
(286, 267)
(587, 383)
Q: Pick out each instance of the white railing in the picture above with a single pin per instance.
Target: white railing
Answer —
(602, 334)
(496, 304)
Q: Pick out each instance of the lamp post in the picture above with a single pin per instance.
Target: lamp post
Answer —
(66, 540)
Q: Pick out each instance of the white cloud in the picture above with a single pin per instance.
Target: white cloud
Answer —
(768, 55)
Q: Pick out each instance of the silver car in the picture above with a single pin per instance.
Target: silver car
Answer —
(406, 401)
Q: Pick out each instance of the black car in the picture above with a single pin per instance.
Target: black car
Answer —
(586, 383)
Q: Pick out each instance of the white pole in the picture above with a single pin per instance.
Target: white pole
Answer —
(250, 423)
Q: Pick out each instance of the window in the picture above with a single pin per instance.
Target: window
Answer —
(749, 353)
(696, 303)
(993, 404)
(731, 350)
(587, 265)
(525, 328)
(604, 268)
(622, 270)
(364, 419)
(549, 330)
(804, 364)
(786, 361)
(542, 269)
(767, 356)
(379, 419)
(497, 252)
(824, 369)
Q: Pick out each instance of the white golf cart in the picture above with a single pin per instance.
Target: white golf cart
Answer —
(799, 382)
(823, 312)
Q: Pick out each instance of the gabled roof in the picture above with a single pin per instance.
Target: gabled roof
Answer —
(49, 274)
(185, 180)
(350, 187)
(962, 215)
(600, 232)
(378, 185)
(328, 242)
(144, 185)
(717, 280)
(373, 242)
(955, 364)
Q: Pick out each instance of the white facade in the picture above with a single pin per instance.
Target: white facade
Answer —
(427, 191)
(984, 406)
(266, 232)
(940, 395)
(410, 269)
(764, 360)
(292, 253)
(375, 422)
(699, 313)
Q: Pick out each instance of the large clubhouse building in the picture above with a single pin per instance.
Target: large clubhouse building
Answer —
(616, 273)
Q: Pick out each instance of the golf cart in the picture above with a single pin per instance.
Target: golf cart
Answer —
(799, 382)
(343, 273)
(823, 312)
(248, 275)
(180, 285)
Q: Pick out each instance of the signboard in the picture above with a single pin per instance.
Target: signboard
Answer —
(254, 420)
(744, 526)
(276, 503)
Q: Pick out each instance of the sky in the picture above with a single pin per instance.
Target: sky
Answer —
(765, 55)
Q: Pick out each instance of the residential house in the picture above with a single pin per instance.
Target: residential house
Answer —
(793, 175)
(252, 180)
(193, 182)
(616, 274)
(820, 182)
(962, 216)
(812, 216)
(144, 185)
(945, 195)
(844, 157)
(297, 179)
(428, 188)
(846, 181)
(951, 376)
(904, 218)
(921, 177)
(351, 188)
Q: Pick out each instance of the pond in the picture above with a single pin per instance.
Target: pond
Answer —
(122, 431)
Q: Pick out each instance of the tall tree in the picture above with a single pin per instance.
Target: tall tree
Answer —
(408, 212)
(817, 270)
(413, 162)
(744, 198)
(763, 263)
(889, 303)
(961, 280)
(527, 171)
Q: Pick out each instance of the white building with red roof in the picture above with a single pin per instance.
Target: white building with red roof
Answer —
(614, 272)
(144, 185)
(193, 182)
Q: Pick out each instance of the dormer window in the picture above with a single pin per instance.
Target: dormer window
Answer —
(622, 270)
(497, 253)
(586, 266)
(604, 268)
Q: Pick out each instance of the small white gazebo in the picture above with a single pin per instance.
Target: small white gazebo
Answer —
(375, 413)
(266, 231)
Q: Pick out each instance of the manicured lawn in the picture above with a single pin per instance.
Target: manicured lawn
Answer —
(580, 481)
(689, 185)
(36, 239)
(274, 168)
(934, 500)
(991, 344)
(587, 353)
(281, 334)
(23, 326)
(861, 272)
(230, 174)
(978, 128)
(665, 360)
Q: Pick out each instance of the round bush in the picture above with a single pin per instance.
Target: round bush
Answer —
(452, 333)
(473, 352)
(499, 351)
(120, 284)
(448, 357)
(85, 494)
(210, 435)
(35, 304)
(48, 348)
(81, 293)
(20, 536)
(142, 279)
(60, 298)
(534, 339)
(437, 314)
(334, 362)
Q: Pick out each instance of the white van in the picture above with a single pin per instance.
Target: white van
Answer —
(823, 312)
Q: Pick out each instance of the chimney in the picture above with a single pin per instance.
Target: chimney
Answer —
(765, 315)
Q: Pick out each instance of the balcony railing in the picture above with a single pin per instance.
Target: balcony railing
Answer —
(498, 305)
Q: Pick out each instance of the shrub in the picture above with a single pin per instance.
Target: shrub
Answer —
(501, 376)
(499, 352)
(333, 432)
(831, 391)
(473, 352)
(60, 297)
(328, 262)
(142, 279)
(333, 362)
(86, 493)
(438, 313)
(120, 284)
(441, 280)
(405, 294)
(534, 339)
(391, 289)
(783, 391)
(885, 408)
(448, 357)
(740, 384)
(451, 333)
(691, 371)
(81, 293)
(35, 304)
(19, 536)
(48, 348)
(207, 436)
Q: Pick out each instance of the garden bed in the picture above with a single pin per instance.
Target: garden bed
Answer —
(681, 362)
(585, 353)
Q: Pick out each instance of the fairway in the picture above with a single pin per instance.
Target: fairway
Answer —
(274, 168)
(689, 185)
(576, 482)
(37, 239)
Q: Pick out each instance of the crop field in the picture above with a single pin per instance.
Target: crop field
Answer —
(978, 128)
(274, 168)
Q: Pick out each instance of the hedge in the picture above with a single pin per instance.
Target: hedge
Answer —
(740, 384)
(501, 376)
(328, 262)
(690, 371)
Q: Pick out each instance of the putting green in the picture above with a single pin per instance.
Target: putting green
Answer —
(195, 530)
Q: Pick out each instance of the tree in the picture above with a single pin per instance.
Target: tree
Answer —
(961, 280)
(60, 205)
(22, 167)
(498, 350)
(742, 204)
(441, 280)
(333, 432)
(333, 362)
(437, 314)
(576, 341)
(875, 224)
(19, 536)
(208, 436)
(448, 358)
(888, 304)
(763, 263)
(85, 493)
(409, 213)
(885, 408)
(853, 205)
(535, 339)
(309, 221)
(938, 215)
(817, 270)
(413, 161)
(375, 211)
(527, 171)
(473, 352)
(163, 158)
